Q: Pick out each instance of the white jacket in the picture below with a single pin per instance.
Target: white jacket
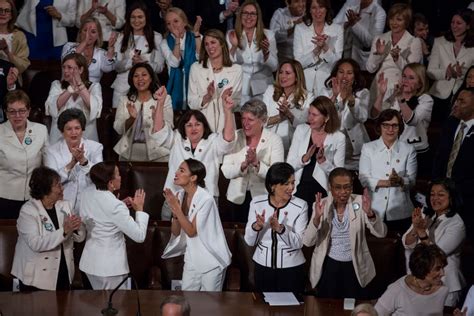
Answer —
(116, 7)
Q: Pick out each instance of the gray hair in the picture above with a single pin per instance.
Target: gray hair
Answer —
(364, 308)
(256, 107)
(177, 300)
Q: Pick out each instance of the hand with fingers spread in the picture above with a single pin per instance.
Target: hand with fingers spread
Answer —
(173, 202)
(320, 158)
(380, 46)
(319, 206)
(382, 84)
(346, 90)
(418, 222)
(367, 204)
(137, 57)
(259, 221)
(352, 18)
(138, 200)
(275, 224)
(311, 151)
(197, 26)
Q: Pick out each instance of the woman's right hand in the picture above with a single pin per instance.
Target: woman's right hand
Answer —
(138, 200)
(259, 220)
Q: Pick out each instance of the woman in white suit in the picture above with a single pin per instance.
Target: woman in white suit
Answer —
(255, 49)
(318, 43)
(451, 56)
(317, 148)
(214, 78)
(196, 230)
(440, 224)
(388, 170)
(47, 229)
(73, 156)
(256, 149)
(394, 49)
(107, 219)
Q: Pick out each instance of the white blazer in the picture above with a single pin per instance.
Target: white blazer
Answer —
(448, 234)
(257, 73)
(27, 19)
(442, 54)
(124, 145)
(76, 179)
(334, 151)
(38, 248)
(199, 80)
(92, 114)
(116, 7)
(17, 160)
(269, 150)
(107, 219)
(317, 69)
(376, 163)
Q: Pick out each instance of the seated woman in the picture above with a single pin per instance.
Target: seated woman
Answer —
(180, 50)
(193, 139)
(316, 149)
(89, 43)
(47, 228)
(246, 166)
(22, 143)
(255, 49)
(420, 293)
(345, 87)
(196, 230)
(135, 118)
(410, 98)
(107, 219)
(74, 91)
(388, 170)
(213, 79)
(275, 225)
(73, 156)
(341, 265)
(287, 101)
(441, 225)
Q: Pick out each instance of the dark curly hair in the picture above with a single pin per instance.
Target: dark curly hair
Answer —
(424, 258)
(42, 181)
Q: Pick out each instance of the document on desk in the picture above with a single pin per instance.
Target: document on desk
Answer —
(280, 298)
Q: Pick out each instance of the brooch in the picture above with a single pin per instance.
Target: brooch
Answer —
(93, 60)
(48, 226)
(187, 148)
(28, 140)
(356, 206)
(223, 82)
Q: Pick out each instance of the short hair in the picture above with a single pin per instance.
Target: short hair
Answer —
(364, 308)
(197, 169)
(14, 15)
(468, 18)
(132, 93)
(359, 81)
(340, 172)
(420, 18)
(300, 93)
(177, 300)
(71, 115)
(101, 173)
(256, 107)
(402, 9)
(81, 62)
(100, 37)
(199, 117)
(42, 181)
(326, 107)
(17, 96)
(278, 173)
(219, 36)
(182, 15)
(455, 200)
(424, 258)
(420, 71)
(387, 115)
(308, 19)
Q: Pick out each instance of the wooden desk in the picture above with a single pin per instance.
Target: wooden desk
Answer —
(85, 303)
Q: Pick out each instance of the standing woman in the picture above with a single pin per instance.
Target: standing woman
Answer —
(318, 43)
(345, 87)
(13, 46)
(89, 43)
(44, 23)
(180, 50)
(138, 43)
(74, 91)
(451, 56)
(47, 229)
(196, 230)
(73, 156)
(316, 149)
(107, 219)
(440, 224)
(394, 49)
(388, 170)
(136, 116)
(276, 223)
(22, 144)
(255, 49)
(287, 101)
(213, 79)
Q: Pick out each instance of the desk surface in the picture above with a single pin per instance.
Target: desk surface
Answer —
(202, 303)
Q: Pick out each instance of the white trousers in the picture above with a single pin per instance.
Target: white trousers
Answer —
(211, 281)
(107, 283)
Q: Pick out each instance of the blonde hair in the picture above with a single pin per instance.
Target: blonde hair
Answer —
(300, 92)
(182, 15)
(420, 72)
(259, 32)
(100, 39)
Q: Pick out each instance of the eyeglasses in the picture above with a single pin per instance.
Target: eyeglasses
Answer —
(249, 14)
(347, 187)
(5, 11)
(20, 112)
(388, 126)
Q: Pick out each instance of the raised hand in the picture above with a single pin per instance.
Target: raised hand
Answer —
(417, 220)
(173, 201)
(352, 18)
(197, 25)
(367, 203)
(259, 220)
(234, 41)
(227, 99)
(160, 95)
(382, 84)
(132, 111)
(252, 157)
(380, 46)
(345, 89)
(318, 209)
(12, 77)
(137, 57)
(138, 200)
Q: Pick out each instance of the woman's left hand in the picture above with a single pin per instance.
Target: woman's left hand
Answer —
(172, 201)
(71, 223)
(78, 153)
(138, 201)
(274, 224)
(320, 158)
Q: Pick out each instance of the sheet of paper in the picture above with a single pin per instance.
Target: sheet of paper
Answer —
(280, 298)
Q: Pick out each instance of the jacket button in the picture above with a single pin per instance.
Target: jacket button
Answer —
(353, 141)
(46, 258)
(385, 197)
(44, 269)
(388, 163)
(386, 174)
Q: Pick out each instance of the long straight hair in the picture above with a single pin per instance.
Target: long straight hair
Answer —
(259, 32)
(128, 40)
